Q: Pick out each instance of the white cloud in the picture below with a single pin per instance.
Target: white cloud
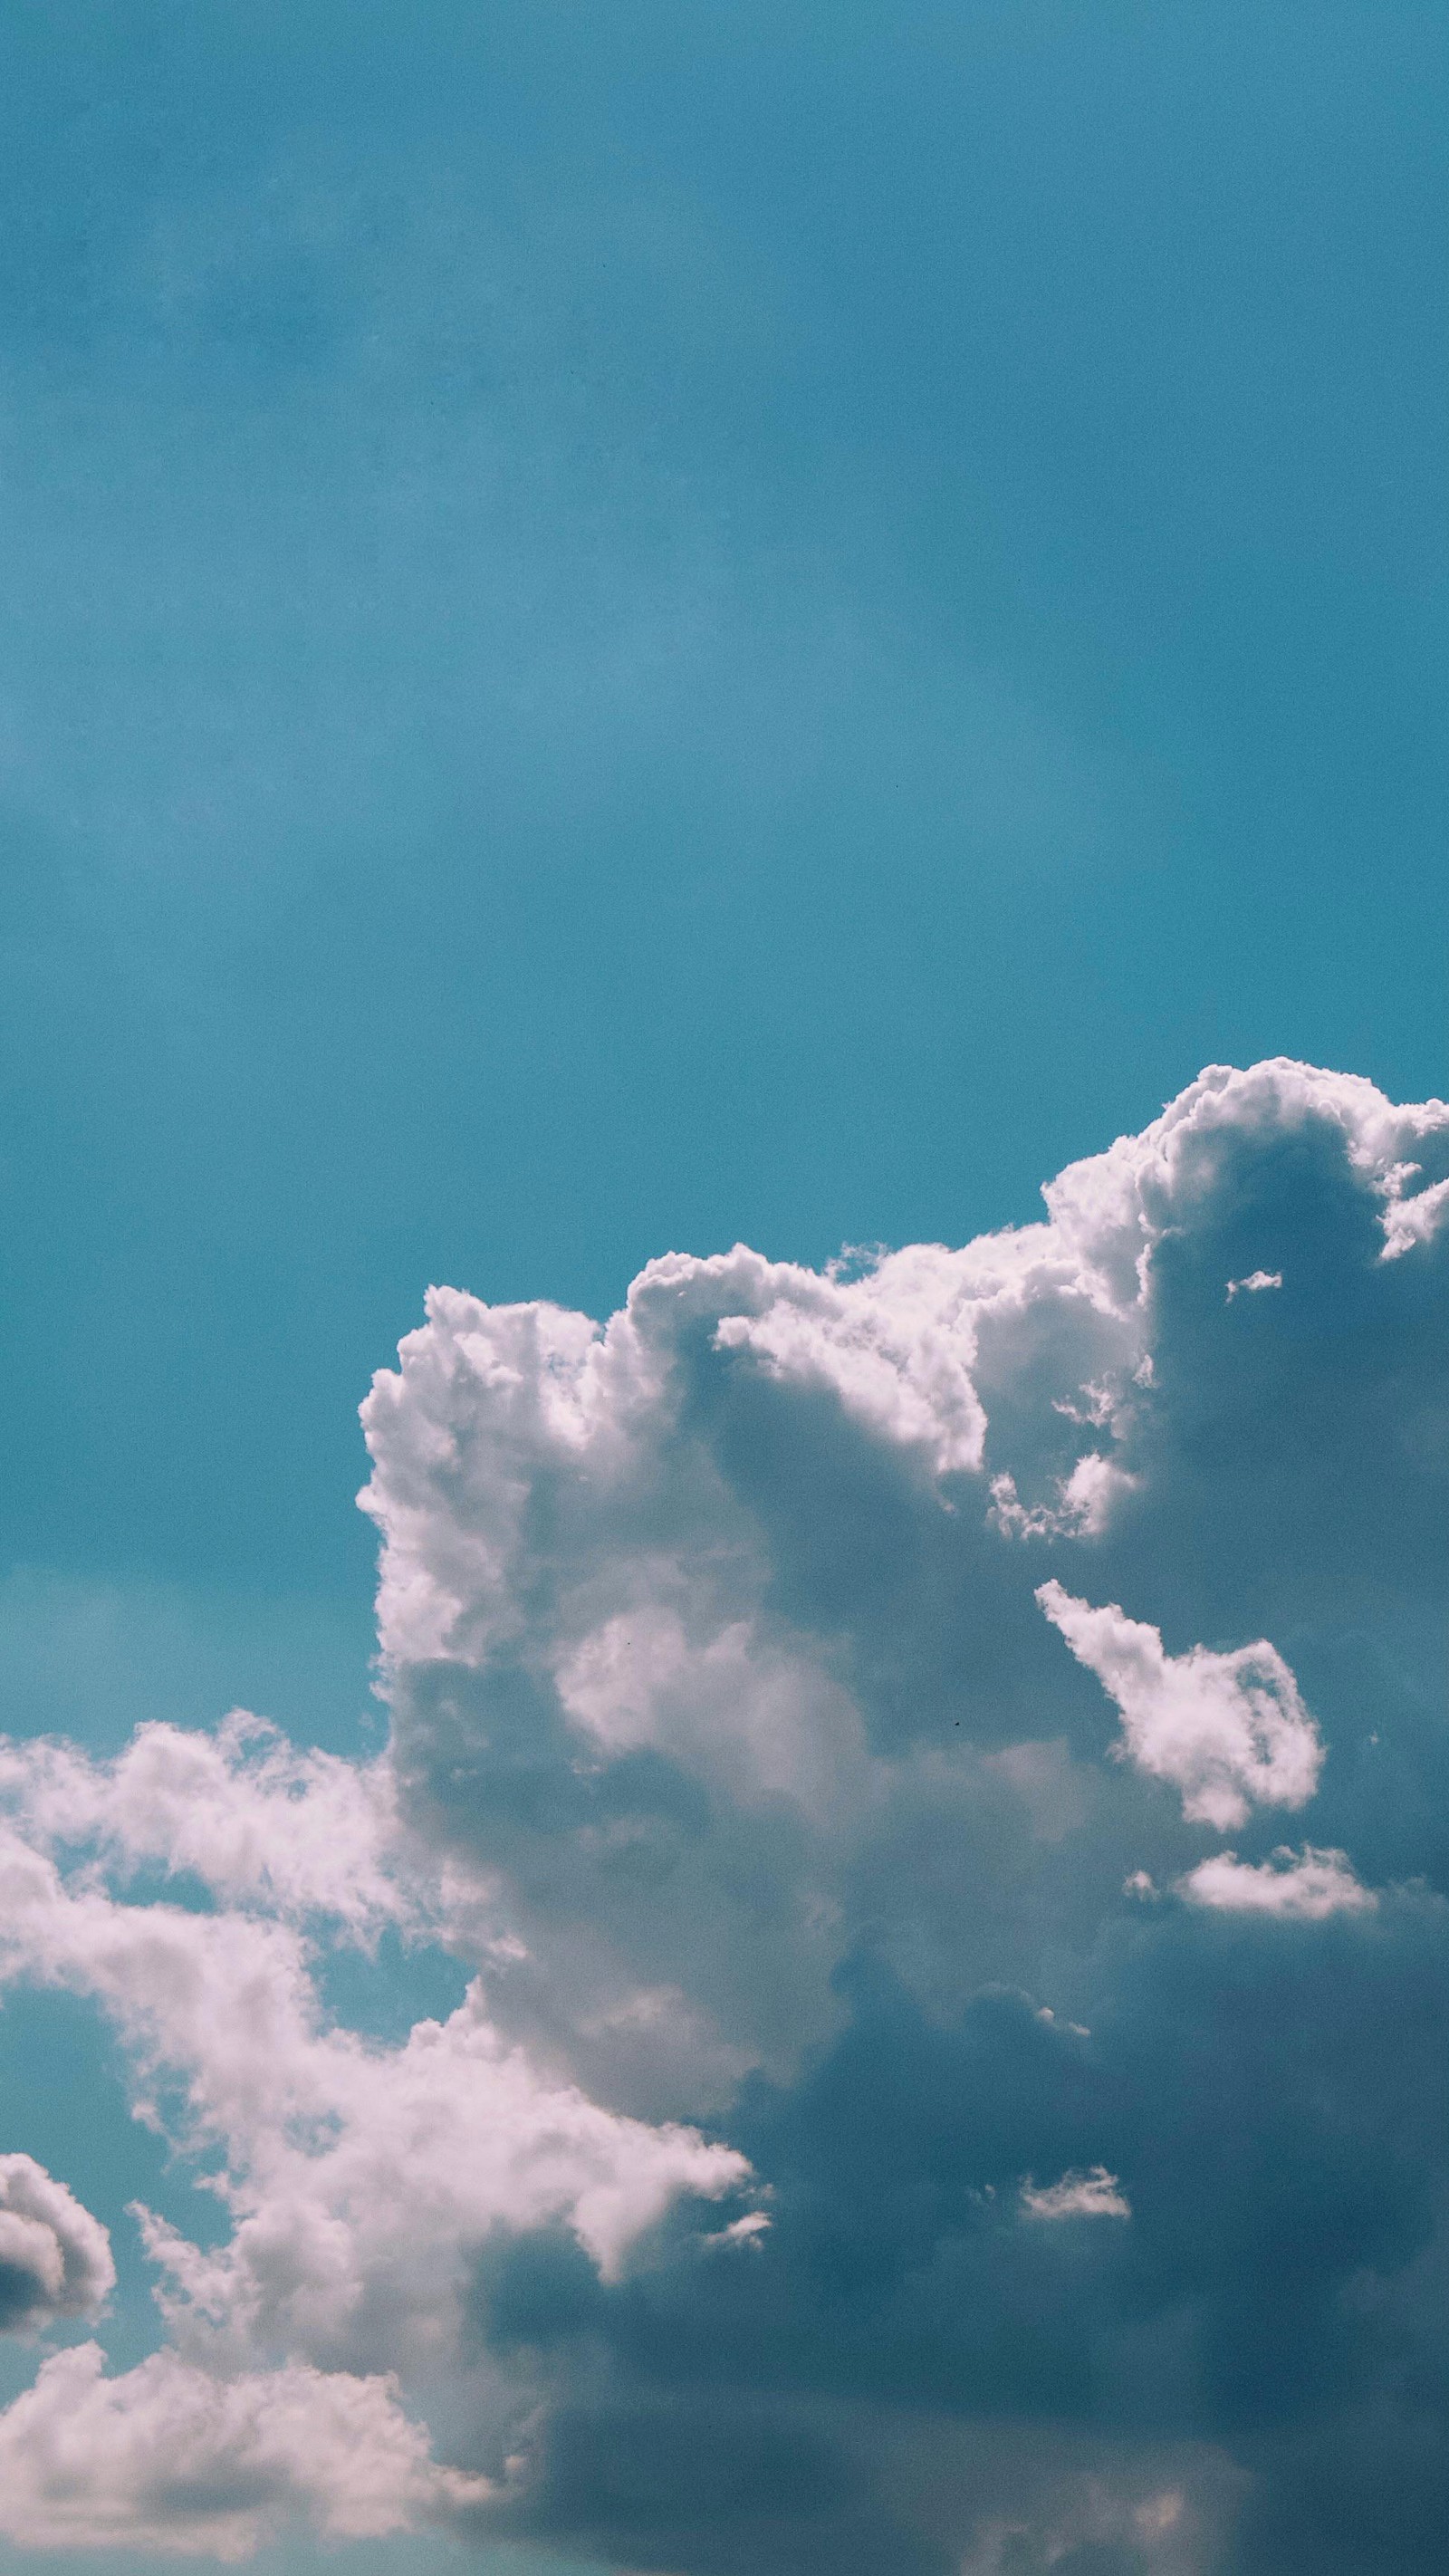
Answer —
(1116, 1206)
(1093, 2194)
(1254, 1284)
(1230, 1731)
(361, 2181)
(361, 2178)
(1085, 1501)
(651, 1621)
(168, 2457)
(741, 2231)
(55, 2258)
(895, 1346)
(1302, 1887)
(1415, 1219)
(240, 1808)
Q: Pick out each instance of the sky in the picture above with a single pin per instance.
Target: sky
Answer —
(633, 629)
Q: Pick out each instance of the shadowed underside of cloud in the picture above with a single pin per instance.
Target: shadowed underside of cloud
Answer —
(888, 2129)
(55, 2258)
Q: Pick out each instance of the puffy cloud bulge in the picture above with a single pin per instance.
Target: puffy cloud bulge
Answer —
(55, 2258)
(937, 1773)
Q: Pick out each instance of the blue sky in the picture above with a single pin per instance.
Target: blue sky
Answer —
(633, 627)
(630, 628)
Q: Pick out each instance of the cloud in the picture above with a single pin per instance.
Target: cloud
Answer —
(714, 1647)
(1097, 2194)
(55, 2258)
(1303, 1887)
(899, 1362)
(345, 2160)
(1086, 1499)
(799, 1899)
(1416, 1218)
(240, 1809)
(1229, 1731)
(166, 2457)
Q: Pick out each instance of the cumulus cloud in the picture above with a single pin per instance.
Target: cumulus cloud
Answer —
(345, 2160)
(739, 1551)
(799, 1902)
(899, 1363)
(241, 1809)
(714, 1649)
(1229, 1731)
(166, 2457)
(1303, 1886)
(55, 2258)
(360, 2179)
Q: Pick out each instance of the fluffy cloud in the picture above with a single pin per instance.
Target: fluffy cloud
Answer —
(1229, 1731)
(1305, 1887)
(681, 1614)
(55, 2259)
(241, 1810)
(167, 2457)
(347, 2163)
(796, 1870)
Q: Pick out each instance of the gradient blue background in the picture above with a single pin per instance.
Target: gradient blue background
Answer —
(627, 625)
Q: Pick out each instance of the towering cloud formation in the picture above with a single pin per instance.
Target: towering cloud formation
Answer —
(889, 2127)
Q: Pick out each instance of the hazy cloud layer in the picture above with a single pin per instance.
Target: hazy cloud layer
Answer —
(912, 2110)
